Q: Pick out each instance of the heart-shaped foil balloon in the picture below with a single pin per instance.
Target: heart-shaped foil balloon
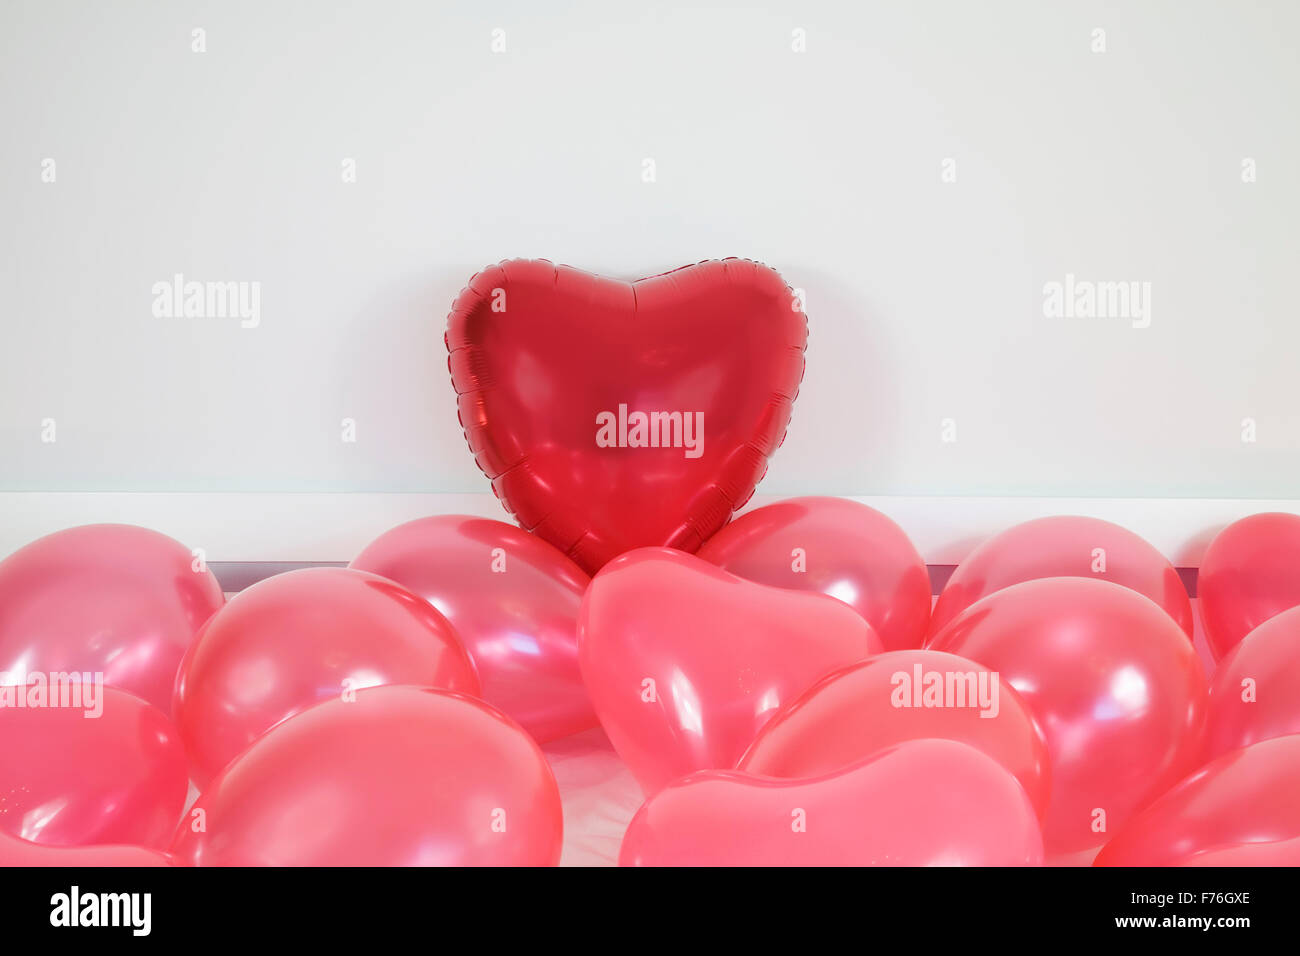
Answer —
(612, 415)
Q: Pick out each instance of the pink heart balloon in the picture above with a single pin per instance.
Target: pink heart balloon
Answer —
(399, 776)
(898, 696)
(834, 546)
(109, 770)
(298, 638)
(685, 662)
(105, 598)
(1240, 809)
(918, 803)
(1064, 546)
(513, 600)
(1255, 694)
(16, 852)
(1250, 572)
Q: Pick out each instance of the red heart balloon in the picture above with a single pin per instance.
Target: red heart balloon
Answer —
(612, 415)
(918, 803)
(1250, 572)
(685, 662)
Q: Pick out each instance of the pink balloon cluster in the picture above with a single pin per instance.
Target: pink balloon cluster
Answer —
(328, 716)
(785, 696)
(1061, 650)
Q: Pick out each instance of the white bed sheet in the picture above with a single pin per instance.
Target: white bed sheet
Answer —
(600, 796)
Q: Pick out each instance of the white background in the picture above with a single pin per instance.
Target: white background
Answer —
(925, 297)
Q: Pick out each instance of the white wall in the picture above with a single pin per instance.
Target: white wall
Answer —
(925, 298)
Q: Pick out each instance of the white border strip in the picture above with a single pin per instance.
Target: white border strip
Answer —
(336, 526)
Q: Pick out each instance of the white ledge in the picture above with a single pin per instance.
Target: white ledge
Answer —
(308, 527)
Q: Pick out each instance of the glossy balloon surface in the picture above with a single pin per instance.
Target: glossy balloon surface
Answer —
(513, 600)
(1064, 546)
(1278, 853)
(1111, 680)
(1241, 809)
(898, 696)
(294, 639)
(552, 366)
(837, 547)
(112, 599)
(1250, 572)
(685, 662)
(107, 769)
(1255, 692)
(22, 853)
(919, 803)
(399, 776)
